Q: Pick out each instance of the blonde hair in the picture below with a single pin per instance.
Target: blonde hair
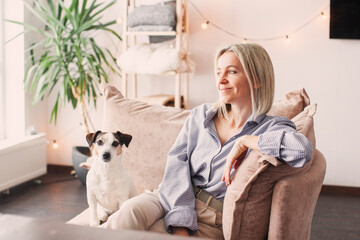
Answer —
(259, 71)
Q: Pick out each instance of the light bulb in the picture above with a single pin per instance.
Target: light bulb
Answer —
(288, 40)
(55, 145)
(323, 15)
(119, 20)
(83, 127)
(205, 25)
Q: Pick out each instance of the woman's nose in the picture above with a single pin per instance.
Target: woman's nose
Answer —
(222, 78)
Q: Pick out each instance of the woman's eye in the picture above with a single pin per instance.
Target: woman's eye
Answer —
(232, 72)
(115, 144)
(100, 142)
(218, 73)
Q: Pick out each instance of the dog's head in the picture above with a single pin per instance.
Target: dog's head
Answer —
(107, 144)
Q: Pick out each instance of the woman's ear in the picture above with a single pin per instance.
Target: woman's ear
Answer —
(257, 85)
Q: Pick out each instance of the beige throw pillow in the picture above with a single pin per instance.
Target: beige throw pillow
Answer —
(154, 130)
(291, 104)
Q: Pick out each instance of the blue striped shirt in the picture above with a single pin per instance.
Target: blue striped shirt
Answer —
(198, 158)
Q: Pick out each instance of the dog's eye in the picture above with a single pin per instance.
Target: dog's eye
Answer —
(115, 143)
(100, 142)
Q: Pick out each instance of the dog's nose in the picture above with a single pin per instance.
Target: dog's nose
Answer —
(106, 156)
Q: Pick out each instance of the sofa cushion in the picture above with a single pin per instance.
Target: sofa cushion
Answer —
(247, 202)
(154, 130)
(291, 104)
(157, 14)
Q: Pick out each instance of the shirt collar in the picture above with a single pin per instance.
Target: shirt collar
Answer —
(211, 112)
(257, 119)
(209, 115)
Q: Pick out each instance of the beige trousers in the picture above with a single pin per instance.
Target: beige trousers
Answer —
(145, 213)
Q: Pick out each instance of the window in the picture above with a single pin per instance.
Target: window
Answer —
(12, 97)
(2, 92)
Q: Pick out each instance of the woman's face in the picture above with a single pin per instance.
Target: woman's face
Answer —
(231, 81)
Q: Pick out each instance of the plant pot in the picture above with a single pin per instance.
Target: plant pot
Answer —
(79, 155)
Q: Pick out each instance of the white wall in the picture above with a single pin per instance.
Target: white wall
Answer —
(328, 69)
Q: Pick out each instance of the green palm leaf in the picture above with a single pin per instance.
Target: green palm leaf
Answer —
(68, 61)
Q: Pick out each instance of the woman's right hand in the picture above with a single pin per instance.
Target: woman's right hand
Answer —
(237, 154)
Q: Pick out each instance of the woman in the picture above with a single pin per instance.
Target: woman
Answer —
(214, 137)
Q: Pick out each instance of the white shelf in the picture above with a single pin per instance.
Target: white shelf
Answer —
(169, 73)
(172, 33)
(181, 44)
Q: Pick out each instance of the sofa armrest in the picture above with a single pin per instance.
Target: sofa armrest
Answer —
(82, 218)
(294, 200)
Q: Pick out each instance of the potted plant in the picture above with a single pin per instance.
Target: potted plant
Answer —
(71, 64)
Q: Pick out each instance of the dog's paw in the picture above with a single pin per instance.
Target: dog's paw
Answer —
(104, 218)
(103, 214)
(94, 222)
(84, 165)
(87, 163)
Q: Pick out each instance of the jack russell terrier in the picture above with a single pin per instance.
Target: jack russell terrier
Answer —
(108, 185)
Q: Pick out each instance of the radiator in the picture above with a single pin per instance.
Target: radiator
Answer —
(22, 160)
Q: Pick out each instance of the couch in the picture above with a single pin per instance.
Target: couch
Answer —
(266, 200)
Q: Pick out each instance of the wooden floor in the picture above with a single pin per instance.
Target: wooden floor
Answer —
(59, 196)
(337, 216)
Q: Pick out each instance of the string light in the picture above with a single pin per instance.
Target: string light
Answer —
(323, 15)
(288, 40)
(119, 20)
(83, 127)
(55, 145)
(205, 25)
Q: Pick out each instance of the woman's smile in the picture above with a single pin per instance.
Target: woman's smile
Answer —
(225, 90)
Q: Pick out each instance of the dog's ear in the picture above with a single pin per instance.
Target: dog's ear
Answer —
(123, 138)
(91, 137)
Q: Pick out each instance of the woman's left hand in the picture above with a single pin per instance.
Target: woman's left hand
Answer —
(237, 154)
